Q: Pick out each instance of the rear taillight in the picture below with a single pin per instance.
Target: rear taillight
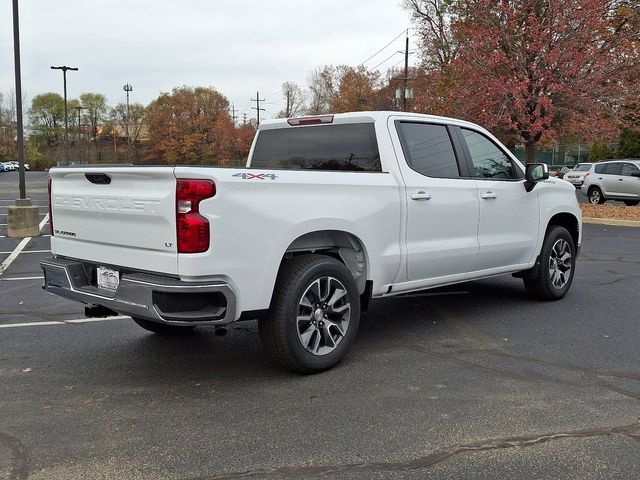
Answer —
(50, 214)
(192, 228)
(585, 175)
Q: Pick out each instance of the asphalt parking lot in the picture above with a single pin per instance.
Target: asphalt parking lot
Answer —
(474, 381)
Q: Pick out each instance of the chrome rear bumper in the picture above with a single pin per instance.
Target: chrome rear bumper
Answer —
(151, 297)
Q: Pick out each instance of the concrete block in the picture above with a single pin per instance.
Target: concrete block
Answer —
(22, 221)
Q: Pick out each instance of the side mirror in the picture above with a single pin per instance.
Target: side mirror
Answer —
(636, 174)
(535, 172)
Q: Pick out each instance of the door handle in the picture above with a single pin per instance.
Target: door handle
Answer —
(621, 179)
(489, 195)
(421, 196)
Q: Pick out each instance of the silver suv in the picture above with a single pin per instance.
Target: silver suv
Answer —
(613, 180)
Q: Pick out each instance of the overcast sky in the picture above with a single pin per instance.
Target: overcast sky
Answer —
(237, 47)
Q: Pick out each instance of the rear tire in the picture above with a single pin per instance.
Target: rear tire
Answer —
(595, 196)
(314, 314)
(557, 266)
(631, 203)
(162, 328)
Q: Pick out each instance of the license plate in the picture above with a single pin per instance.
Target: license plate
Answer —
(108, 278)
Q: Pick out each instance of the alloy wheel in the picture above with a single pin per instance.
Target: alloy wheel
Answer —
(560, 264)
(323, 316)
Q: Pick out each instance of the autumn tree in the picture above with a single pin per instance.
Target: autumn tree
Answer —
(96, 109)
(537, 69)
(47, 116)
(7, 128)
(434, 19)
(320, 84)
(240, 143)
(189, 125)
(543, 68)
(295, 100)
(131, 121)
(355, 90)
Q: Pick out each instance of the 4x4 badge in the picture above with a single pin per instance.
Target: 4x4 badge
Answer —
(257, 176)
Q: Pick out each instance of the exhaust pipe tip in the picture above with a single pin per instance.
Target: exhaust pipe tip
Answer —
(221, 331)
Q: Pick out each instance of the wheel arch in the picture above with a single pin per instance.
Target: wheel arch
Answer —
(568, 221)
(342, 245)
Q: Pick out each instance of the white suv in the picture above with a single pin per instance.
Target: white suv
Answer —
(576, 175)
(613, 180)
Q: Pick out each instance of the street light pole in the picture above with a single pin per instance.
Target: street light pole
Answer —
(64, 69)
(127, 88)
(22, 218)
(19, 126)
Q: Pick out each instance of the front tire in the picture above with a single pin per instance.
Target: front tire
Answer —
(595, 196)
(163, 328)
(314, 314)
(557, 266)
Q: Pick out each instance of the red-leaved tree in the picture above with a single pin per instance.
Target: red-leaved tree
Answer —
(539, 69)
(542, 68)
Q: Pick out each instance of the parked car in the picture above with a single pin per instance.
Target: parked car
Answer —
(613, 180)
(329, 212)
(17, 165)
(576, 175)
(8, 167)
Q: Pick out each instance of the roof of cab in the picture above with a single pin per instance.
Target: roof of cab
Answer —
(367, 117)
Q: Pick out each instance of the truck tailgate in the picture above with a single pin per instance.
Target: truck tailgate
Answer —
(116, 216)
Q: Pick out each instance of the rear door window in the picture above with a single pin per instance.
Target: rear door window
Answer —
(428, 149)
(349, 147)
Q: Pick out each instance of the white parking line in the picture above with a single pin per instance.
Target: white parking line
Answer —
(28, 251)
(19, 248)
(17, 279)
(62, 322)
(6, 214)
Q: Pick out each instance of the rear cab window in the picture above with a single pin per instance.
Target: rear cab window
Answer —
(340, 147)
(428, 149)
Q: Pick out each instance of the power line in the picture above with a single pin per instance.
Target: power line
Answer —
(379, 51)
(386, 60)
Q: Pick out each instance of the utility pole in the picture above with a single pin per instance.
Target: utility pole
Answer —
(406, 73)
(127, 88)
(64, 69)
(257, 107)
(233, 114)
(244, 119)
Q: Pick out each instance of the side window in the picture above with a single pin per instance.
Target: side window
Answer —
(629, 169)
(613, 168)
(428, 149)
(600, 168)
(489, 161)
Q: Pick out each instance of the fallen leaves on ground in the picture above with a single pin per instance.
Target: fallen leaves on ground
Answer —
(612, 211)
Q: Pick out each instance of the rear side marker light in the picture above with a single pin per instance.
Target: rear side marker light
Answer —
(294, 122)
(192, 228)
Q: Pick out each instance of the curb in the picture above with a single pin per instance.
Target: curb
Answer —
(611, 221)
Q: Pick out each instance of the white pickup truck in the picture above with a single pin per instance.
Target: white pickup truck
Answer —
(329, 212)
